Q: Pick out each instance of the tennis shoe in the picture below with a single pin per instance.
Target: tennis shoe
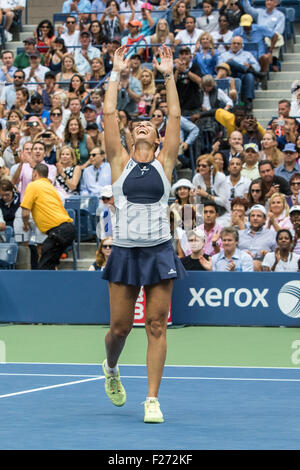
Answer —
(114, 388)
(153, 412)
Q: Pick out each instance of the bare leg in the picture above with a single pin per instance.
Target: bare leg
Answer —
(158, 300)
(9, 16)
(122, 303)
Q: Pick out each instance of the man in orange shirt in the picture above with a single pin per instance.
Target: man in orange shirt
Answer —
(50, 216)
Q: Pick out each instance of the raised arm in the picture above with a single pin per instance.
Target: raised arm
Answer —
(168, 154)
(115, 152)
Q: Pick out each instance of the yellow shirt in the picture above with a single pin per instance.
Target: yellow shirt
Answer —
(47, 209)
(227, 119)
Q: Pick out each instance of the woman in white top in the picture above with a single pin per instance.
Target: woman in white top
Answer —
(278, 215)
(283, 260)
(210, 186)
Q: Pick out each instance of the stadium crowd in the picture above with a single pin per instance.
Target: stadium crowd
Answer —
(239, 210)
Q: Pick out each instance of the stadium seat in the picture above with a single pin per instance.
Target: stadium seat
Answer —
(8, 255)
(72, 214)
(7, 234)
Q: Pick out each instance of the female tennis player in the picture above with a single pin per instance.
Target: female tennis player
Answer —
(142, 252)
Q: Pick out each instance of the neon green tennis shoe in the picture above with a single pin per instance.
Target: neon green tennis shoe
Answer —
(114, 388)
(153, 412)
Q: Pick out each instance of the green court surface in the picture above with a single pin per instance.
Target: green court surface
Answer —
(199, 345)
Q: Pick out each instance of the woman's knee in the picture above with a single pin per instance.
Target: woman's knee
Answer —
(120, 331)
(157, 327)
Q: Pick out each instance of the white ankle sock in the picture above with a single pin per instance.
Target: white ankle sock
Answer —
(151, 399)
(113, 371)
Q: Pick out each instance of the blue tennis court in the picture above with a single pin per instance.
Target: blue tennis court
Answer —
(64, 406)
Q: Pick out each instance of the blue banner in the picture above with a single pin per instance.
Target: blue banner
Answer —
(204, 298)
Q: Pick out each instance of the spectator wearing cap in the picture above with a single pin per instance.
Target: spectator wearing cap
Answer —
(85, 54)
(107, 214)
(256, 239)
(271, 18)
(250, 168)
(8, 68)
(9, 93)
(138, 42)
(90, 114)
(35, 73)
(256, 34)
(197, 260)
(37, 108)
(188, 79)
(238, 184)
(146, 18)
(71, 36)
(97, 175)
(290, 165)
(231, 258)
(272, 183)
(295, 219)
(22, 60)
(49, 90)
(113, 23)
(189, 35)
(9, 202)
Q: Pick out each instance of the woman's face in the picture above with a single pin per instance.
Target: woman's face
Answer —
(276, 206)
(219, 161)
(56, 101)
(95, 28)
(144, 131)
(96, 65)
(55, 115)
(256, 192)
(106, 247)
(76, 82)
(181, 9)
(20, 98)
(113, 7)
(203, 167)
(268, 141)
(284, 240)
(45, 28)
(73, 127)
(145, 78)
(68, 63)
(183, 192)
(162, 25)
(14, 117)
(205, 41)
(66, 157)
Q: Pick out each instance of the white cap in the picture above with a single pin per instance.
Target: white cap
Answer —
(294, 209)
(183, 182)
(107, 191)
(258, 207)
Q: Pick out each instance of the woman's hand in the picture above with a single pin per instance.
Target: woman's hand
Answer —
(166, 61)
(120, 62)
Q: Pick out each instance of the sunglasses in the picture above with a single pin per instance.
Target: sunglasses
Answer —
(97, 153)
(295, 183)
(107, 246)
(55, 114)
(255, 190)
(201, 165)
(157, 115)
(18, 76)
(71, 22)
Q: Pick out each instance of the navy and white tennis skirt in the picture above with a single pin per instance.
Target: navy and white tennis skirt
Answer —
(141, 266)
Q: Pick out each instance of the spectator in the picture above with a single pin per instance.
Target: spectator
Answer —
(76, 137)
(238, 184)
(290, 132)
(188, 79)
(251, 129)
(12, 13)
(235, 142)
(290, 164)
(68, 172)
(293, 198)
(206, 56)
(96, 97)
(283, 260)
(270, 150)
(68, 70)
(129, 93)
(148, 91)
(113, 23)
(83, 55)
(35, 73)
(135, 66)
(224, 72)
(239, 207)
(108, 54)
(189, 35)
(42, 200)
(209, 20)
(234, 10)
(295, 219)
(11, 147)
(250, 167)
(257, 240)
(211, 229)
(223, 34)
(236, 57)
(71, 36)
(98, 37)
(55, 54)
(56, 122)
(96, 75)
(97, 137)
(276, 124)
(271, 182)
(102, 254)
(256, 193)
(4, 171)
(37, 108)
(220, 161)
(196, 261)
(22, 102)
(76, 7)
(159, 121)
(146, 18)
(51, 142)
(22, 60)
(95, 176)
(49, 90)
(231, 258)
(271, 18)
(138, 42)
(131, 9)
(278, 213)
(107, 212)
(125, 134)
(44, 36)
(211, 187)
(9, 202)
(181, 190)
(74, 109)
(9, 93)
(256, 33)
(77, 87)
(8, 68)
(161, 36)
(179, 14)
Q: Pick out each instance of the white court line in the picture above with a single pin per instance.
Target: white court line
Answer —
(48, 375)
(23, 392)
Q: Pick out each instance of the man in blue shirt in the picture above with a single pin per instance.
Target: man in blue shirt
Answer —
(290, 165)
(95, 176)
(254, 33)
(98, 7)
(77, 6)
(231, 258)
(8, 69)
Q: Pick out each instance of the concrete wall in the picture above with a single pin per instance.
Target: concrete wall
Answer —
(39, 10)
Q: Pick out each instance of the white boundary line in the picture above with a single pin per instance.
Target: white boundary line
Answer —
(23, 392)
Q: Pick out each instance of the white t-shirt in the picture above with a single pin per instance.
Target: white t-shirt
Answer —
(71, 40)
(282, 266)
(11, 4)
(185, 38)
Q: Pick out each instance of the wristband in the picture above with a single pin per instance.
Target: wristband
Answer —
(114, 77)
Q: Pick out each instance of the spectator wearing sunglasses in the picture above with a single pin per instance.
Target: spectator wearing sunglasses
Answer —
(293, 198)
(97, 175)
(71, 36)
(102, 255)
